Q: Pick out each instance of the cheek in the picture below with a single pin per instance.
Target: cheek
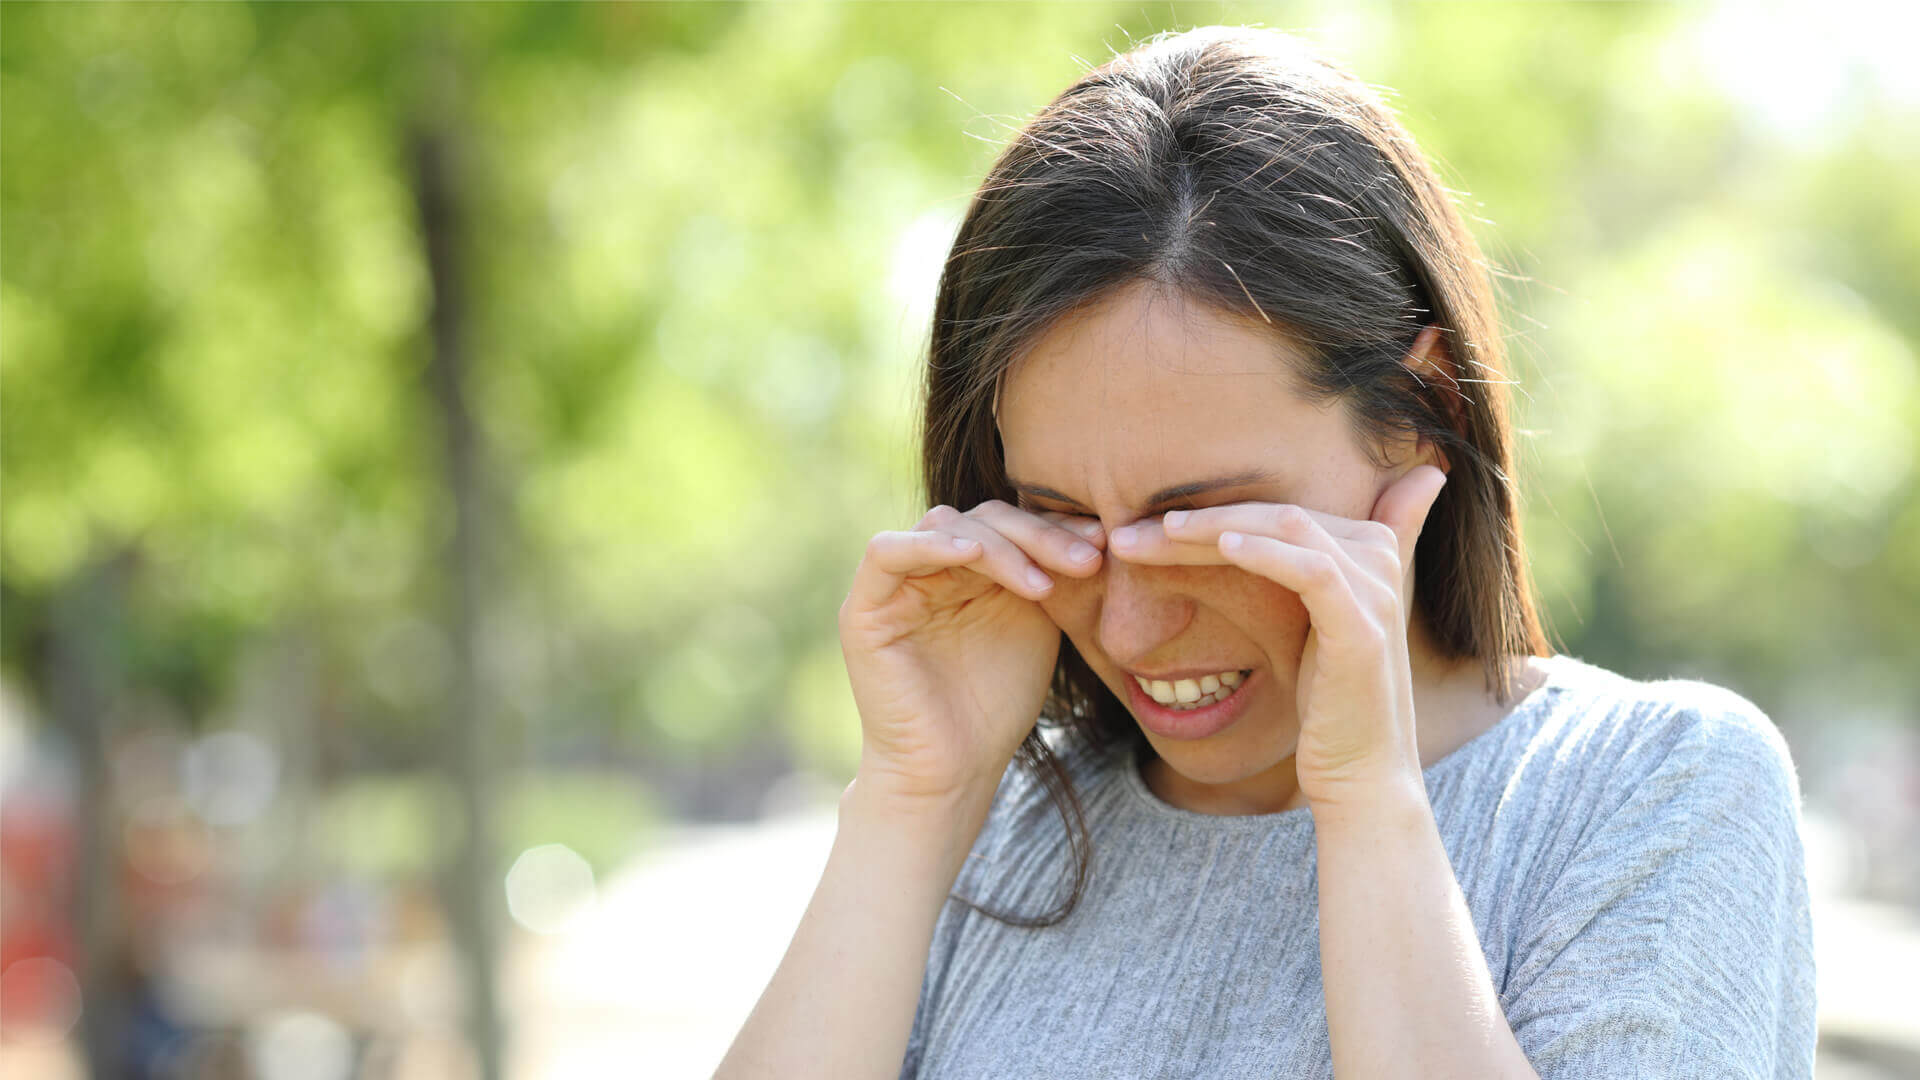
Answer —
(1266, 610)
(1073, 605)
(1269, 612)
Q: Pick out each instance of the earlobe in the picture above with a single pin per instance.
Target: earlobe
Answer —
(1415, 452)
(1427, 456)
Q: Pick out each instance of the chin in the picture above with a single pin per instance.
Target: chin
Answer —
(1221, 759)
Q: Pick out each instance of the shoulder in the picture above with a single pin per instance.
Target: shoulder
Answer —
(1669, 876)
(1709, 717)
(1669, 812)
(1628, 729)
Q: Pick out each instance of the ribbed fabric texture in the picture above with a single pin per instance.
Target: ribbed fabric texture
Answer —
(1630, 851)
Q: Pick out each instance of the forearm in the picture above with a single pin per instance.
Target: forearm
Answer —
(841, 1003)
(1408, 993)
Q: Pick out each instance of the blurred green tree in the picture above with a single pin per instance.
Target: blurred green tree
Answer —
(700, 245)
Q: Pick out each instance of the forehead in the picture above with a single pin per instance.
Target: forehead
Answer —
(1145, 390)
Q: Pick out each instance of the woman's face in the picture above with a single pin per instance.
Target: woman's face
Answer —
(1143, 392)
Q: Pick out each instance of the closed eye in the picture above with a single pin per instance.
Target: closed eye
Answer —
(1031, 508)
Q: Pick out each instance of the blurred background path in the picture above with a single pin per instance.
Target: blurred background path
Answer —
(680, 944)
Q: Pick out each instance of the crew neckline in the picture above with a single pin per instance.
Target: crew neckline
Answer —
(1560, 669)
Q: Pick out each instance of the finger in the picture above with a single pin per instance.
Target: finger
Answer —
(1042, 537)
(1315, 575)
(1260, 517)
(1146, 542)
(1005, 561)
(1174, 539)
(1291, 522)
(1404, 506)
(1086, 528)
(892, 557)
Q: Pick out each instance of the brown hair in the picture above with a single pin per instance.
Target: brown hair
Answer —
(1240, 168)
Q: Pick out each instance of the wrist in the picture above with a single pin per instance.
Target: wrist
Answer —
(934, 832)
(884, 792)
(876, 799)
(1370, 806)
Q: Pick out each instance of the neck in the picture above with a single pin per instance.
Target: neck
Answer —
(1449, 699)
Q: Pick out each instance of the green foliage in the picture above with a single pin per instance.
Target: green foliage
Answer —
(701, 244)
(601, 815)
(386, 826)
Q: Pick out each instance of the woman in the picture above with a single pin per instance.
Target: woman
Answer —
(1217, 444)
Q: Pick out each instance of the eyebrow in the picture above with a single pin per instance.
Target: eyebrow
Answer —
(1164, 495)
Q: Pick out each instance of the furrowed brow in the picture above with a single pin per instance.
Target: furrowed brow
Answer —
(1164, 495)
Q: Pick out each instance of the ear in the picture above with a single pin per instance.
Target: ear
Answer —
(1406, 454)
(1431, 362)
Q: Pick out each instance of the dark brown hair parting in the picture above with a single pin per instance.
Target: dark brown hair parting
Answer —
(1241, 169)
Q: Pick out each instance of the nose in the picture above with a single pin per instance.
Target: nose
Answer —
(1140, 611)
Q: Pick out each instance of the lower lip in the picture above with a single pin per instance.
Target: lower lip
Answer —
(1188, 723)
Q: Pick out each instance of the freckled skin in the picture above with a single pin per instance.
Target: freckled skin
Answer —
(1145, 390)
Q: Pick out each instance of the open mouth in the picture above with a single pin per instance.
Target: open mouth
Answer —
(1185, 694)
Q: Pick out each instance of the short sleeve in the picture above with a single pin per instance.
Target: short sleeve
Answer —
(1677, 939)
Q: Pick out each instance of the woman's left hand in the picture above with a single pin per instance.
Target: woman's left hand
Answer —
(1355, 700)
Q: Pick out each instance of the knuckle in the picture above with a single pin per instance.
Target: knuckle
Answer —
(1321, 569)
(940, 514)
(1377, 556)
(1381, 533)
(1379, 598)
(1390, 562)
(1288, 519)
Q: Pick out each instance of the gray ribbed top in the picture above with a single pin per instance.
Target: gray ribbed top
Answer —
(1630, 852)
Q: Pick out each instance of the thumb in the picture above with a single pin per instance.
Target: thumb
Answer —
(1404, 506)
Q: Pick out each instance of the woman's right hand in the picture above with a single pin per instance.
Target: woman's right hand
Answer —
(948, 651)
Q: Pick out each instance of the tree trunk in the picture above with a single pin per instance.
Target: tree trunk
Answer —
(474, 887)
(80, 677)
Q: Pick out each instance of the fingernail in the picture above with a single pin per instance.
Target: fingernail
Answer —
(1081, 552)
(1088, 529)
(1038, 579)
(1176, 518)
(1124, 536)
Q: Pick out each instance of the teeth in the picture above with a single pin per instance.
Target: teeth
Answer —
(1192, 693)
